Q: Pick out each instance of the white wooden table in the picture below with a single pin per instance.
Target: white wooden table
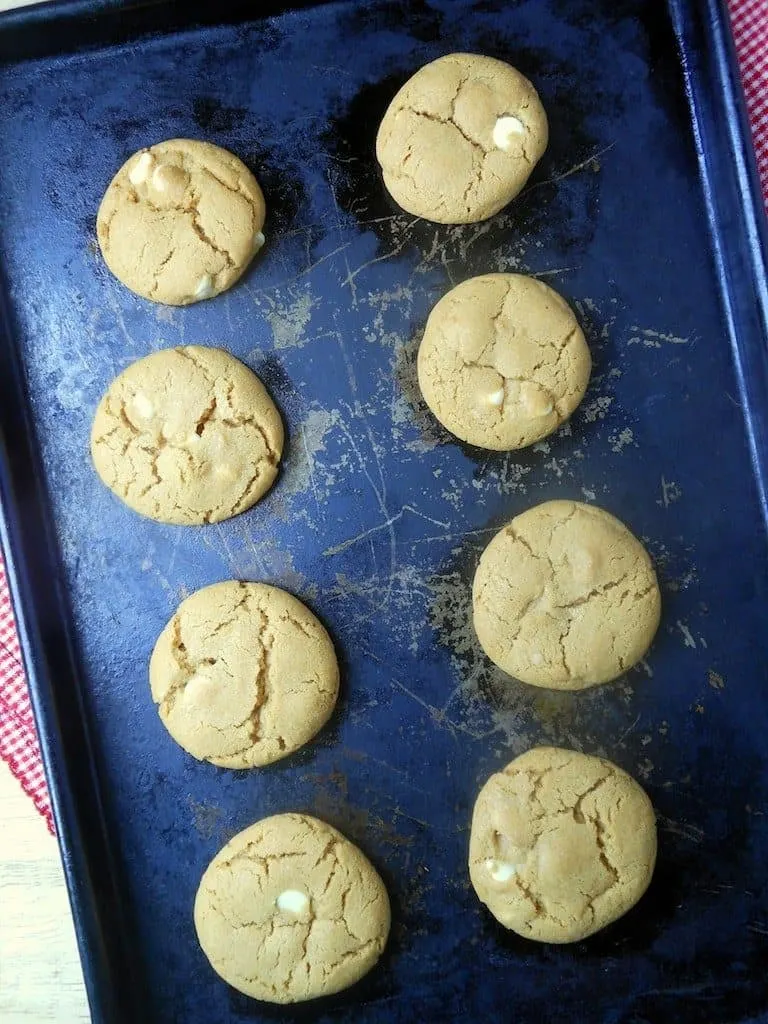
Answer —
(40, 977)
(41, 981)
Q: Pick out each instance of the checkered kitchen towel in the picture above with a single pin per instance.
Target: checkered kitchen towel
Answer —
(18, 741)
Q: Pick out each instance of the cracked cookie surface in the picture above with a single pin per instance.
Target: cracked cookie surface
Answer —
(187, 435)
(181, 221)
(503, 361)
(290, 910)
(460, 139)
(565, 597)
(243, 674)
(562, 844)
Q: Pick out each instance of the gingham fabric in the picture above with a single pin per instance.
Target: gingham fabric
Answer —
(749, 19)
(18, 740)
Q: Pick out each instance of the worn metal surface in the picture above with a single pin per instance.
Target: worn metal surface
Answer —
(379, 516)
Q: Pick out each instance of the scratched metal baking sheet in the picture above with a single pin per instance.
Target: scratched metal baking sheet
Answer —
(379, 517)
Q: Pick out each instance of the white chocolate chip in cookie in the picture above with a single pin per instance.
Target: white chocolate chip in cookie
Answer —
(139, 173)
(292, 901)
(202, 673)
(453, 147)
(535, 400)
(506, 130)
(169, 419)
(547, 613)
(177, 213)
(205, 289)
(503, 361)
(141, 406)
(584, 835)
(171, 181)
(290, 910)
(500, 871)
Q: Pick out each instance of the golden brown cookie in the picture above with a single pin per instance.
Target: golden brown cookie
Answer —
(243, 674)
(460, 139)
(562, 844)
(187, 435)
(503, 361)
(181, 221)
(565, 597)
(290, 910)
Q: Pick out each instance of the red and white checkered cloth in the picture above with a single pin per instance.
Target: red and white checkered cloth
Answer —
(18, 740)
(749, 20)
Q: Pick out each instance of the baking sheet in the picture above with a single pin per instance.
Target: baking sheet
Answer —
(379, 516)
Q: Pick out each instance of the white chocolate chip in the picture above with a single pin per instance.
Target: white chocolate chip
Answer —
(293, 901)
(535, 401)
(505, 129)
(171, 180)
(500, 870)
(497, 398)
(142, 405)
(205, 289)
(258, 241)
(140, 170)
(537, 658)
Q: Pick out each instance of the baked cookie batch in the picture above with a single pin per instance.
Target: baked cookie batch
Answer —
(244, 674)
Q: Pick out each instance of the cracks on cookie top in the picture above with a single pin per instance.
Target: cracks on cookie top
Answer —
(448, 123)
(151, 442)
(617, 654)
(158, 270)
(545, 822)
(448, 364)
(186, 667)
(419, 110)
(636, 573)
(578, 815)
(189, 353)
(298, 953)
(265, 642)
(242, 602)
(539, 907)
(262, 681)
(193, 210)
(206, 416)
(600, 837)
(537, 781)
(297, 624)
(562, 637)
(237, 190)
(303, 961)
(594, 592)
(240, 419)
(272, 456)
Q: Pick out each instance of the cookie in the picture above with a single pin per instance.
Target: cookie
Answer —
(187, 435)
(460, 139)
(290, 910)
(180, 221)
(562, 844)
(503, 361)
(243, 674)
(565, 597)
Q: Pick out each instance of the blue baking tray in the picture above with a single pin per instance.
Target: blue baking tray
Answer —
(645, 214)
